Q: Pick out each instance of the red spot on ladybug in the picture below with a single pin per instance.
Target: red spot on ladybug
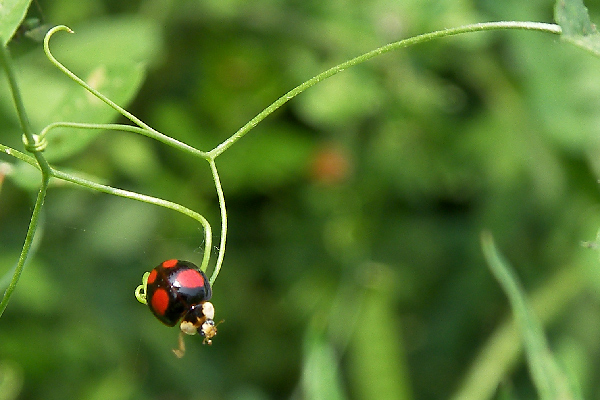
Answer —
(160, 301)
(189, 278)
(178, 291)
(152, 276)
(170, 263)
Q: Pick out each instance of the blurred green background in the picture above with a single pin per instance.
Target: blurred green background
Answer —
(353, 266)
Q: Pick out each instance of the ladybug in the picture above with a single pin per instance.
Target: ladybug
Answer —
(178, 291)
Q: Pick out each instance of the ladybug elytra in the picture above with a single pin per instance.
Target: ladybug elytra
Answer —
(178, 291)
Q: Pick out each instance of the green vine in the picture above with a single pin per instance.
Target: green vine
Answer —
(40, 162)
(35, 144)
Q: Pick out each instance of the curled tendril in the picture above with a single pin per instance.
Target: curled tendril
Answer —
(39, 143)
(140, 291)
(52, 59)
(87, 87)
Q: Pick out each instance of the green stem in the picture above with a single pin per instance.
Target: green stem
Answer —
(130, 195)
(486, 26)
(146, 199)
(153, 134)
(6, 62)
(146, 129)
(28, 131)
(33, 223)
(221, 197)
(82, 83)
(42, 164)
(19, 155)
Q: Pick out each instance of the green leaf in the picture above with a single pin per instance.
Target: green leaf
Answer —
(119, 83)
(322, 375)
(549, 380)
(12, 13)
(573, 18)
(109, 55)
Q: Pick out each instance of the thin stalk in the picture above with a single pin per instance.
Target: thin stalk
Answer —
(33, 223)
(486, 26)
(6, 63)
(221, 197)
(82, 83)
(124, 193)
(153, 134)
(146, 129)
(28, 131)
(146, 199)
(19, 155)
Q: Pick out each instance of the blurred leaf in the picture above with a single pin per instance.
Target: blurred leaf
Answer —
(134, 156)
(562, 86)
(11, 380)
(122, 228)
(549, 380)
(12, 13)
(270, 156)
(25, 176)
(341, 100)
(6, 277)
(573, 18)
(503, 348)
(39, 279)
(116, 384)
(321, 377)
(119, 83)
(378, 367)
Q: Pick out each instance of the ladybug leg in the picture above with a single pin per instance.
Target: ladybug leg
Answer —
(140, 291)
(180, 352)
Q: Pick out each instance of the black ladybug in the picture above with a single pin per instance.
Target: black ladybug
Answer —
(178, 291)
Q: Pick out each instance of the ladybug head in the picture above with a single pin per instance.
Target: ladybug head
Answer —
(200, 319)
(208, 330)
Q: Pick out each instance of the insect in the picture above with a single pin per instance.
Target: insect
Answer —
(177, 291)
